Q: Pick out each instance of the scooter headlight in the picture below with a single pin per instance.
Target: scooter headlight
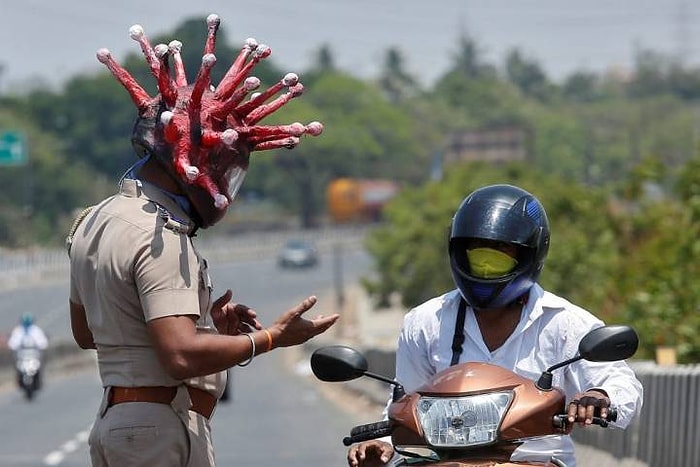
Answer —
(463, 421)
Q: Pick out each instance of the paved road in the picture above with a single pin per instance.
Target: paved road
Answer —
(279, 414)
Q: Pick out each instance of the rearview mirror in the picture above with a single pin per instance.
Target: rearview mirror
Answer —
(609, 343)
(603, 344)
(338, 363)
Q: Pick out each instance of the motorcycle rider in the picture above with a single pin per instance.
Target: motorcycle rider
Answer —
(140, 292)
(499, 314)
(28, 335)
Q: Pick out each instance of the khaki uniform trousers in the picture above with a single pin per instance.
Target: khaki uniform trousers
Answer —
(148, 434)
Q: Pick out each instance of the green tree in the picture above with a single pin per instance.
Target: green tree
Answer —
(38, 199)
(364, 136)
(527, 75)
(394, 80)
(411, 257)
(657, 290)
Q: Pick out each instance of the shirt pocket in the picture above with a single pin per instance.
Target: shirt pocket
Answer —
(134, 435)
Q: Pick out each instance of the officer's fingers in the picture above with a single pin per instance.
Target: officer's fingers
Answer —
(251, 322)
(223, 300)
(243, 311)
(304, 306)
(323, 323)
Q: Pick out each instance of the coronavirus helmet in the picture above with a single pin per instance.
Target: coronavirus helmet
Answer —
(504, 214)
(203, 135)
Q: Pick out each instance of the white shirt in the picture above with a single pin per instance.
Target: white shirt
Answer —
(549, 331)
(32, 337)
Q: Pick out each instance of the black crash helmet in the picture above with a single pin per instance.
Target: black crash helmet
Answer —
(502, 213)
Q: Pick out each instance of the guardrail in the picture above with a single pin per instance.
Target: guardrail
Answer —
(665, 434)
(24, 267)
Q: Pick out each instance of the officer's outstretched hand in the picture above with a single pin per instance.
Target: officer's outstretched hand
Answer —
(291, 328)
(233, 318)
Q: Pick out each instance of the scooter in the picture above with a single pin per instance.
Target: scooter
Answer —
(472, 414)
(28, 365)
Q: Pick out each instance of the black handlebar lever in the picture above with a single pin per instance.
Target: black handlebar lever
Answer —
(561, 420)
(368, 431)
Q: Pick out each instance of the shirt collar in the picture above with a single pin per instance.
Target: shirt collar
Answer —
(540, 302)
(165, 200)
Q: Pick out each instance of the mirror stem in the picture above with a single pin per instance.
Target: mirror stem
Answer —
(545, 381)
(380, 378)
(399, 391)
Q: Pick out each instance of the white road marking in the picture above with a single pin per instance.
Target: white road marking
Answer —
(57, 457)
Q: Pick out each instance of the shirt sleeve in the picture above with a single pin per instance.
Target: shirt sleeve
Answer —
(15, 339)
(168, 279)
(617, 379)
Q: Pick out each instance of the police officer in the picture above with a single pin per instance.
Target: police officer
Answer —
(140, 293)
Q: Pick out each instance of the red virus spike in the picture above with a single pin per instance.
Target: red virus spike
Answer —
(169, 129)
(221, 110)
(226, 86)
(138, 94)
(258, 134)
(137, 33)
(264, 110)
(166, 86)
(214, 138)
(213, 22)
(289, 143)
(179, 128)
(290, 79)
(205, 180)
(201, 82)
(261, 51)
(180, 76)
(274, 131)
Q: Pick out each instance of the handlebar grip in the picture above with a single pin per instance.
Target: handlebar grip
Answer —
(561, 420)
(612, 417)
(368, 432)
(360, 429)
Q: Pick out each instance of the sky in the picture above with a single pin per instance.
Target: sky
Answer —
(50, 41)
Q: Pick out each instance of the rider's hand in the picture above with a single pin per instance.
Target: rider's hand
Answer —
(373, 453)
(586, 405)
(233, 318)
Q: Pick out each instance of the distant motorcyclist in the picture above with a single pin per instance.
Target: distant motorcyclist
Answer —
(27, 335)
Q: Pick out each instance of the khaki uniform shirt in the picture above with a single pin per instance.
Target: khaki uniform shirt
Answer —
(132, 261)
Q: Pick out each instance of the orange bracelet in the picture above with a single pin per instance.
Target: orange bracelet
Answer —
(269, 340)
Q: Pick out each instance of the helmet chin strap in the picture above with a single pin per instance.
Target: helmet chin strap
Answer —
(148, 170)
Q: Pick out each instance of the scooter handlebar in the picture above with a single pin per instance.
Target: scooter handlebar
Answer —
(560, 421)
(368, 431)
